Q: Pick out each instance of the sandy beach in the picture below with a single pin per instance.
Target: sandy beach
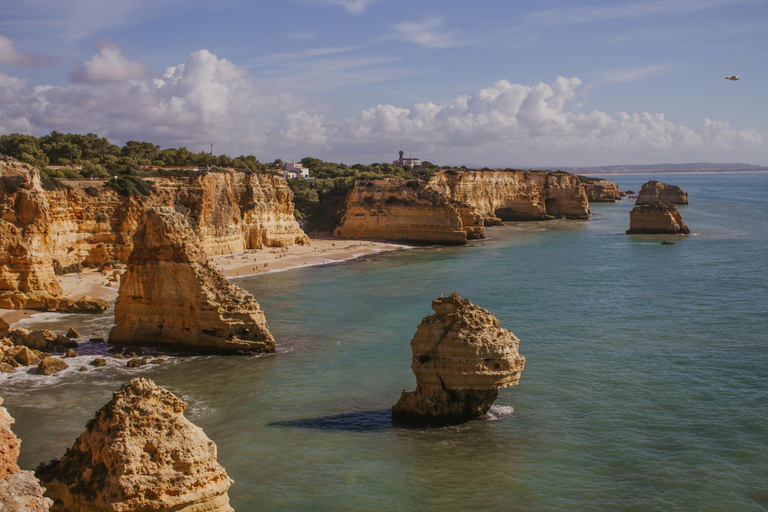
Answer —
(320, 251)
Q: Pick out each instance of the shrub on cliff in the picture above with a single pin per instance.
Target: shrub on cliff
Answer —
(128, 186)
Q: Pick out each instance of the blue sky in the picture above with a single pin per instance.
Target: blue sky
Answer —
(493, 83)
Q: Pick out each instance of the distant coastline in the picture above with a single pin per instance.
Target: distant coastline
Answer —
(702, 167)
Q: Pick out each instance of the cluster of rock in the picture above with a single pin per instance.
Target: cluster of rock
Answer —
(139, 453)
(453, 206)
(599, 190)
(461, 358)
(655, 211)
(20, 491)
(171, 296)
(21, 348)
(90, 224)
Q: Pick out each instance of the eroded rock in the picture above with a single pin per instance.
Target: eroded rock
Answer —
(139, 453)
(656, 218)
(461, 358)
(658, 192)
(50, 365)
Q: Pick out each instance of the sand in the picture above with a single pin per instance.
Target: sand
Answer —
(320, 251)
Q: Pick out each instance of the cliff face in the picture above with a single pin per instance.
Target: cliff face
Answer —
(91, 224)
(171, 296)
(656, 218)
(410, 211)
(658, 192)
(139, 453)
(461, 358)
(451, 202)
(599, 190)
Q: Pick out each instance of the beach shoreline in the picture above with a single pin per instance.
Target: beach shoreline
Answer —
(251, 262)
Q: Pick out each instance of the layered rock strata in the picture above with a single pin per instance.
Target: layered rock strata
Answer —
(658, 192)
(599, 190)
(455, 201)
(656, 218)
(139, 453)
(20, 491)
(172, 296)
(461, 358)
(89, 223)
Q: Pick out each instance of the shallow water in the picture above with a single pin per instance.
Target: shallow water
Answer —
(644, 386)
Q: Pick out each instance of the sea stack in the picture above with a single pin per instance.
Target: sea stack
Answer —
(658, 192)
(19, 490)
(139, 453)
(461, 358)
(656, 218)
(171, 296)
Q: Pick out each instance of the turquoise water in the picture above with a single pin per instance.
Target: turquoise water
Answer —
(644, 387)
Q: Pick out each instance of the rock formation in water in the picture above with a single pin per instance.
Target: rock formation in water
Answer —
(139, 453)
(658, 192)
(409, 211)
(172, 296)
(461, 358)
(20, 491)
(599, 190)
(656, 218)
(456, 201)
(88, 223)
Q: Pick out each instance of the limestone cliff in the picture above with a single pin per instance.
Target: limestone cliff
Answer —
(170, 295)
(20, 491)
(599, 190)
(409, 211)
(658, 192)
(89, 223)
(139, 453)
(461, 358)
(656, 218)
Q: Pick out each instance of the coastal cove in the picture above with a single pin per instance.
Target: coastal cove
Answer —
(643, 388)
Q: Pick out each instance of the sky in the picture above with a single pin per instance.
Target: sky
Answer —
(494, 83)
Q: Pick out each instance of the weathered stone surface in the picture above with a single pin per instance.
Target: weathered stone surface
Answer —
(172, 296)
(658, 192)
(7, 368)
(139, 453)
(656, 218)
(24, 356)
(461, 358)
(51, 365)
(19, 490)
(40, 340)
(599, 190)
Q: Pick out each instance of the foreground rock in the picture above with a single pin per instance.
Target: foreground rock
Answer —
(656, 218)
(171, 296)
(658, 192)
(139, 453)
(461, 358)
(20, 491)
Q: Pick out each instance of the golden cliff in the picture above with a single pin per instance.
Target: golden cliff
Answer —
(599, 190)
(461, 358)
(171, 296)
(656, 218)
(89, 223)
(456, 202)
(658, 192)
(139, 453)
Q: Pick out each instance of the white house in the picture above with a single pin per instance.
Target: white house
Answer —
(407, 162)
(292, 170)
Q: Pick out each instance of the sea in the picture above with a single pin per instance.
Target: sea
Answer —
(645, 386)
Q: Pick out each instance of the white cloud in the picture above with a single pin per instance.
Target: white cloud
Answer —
(631, 74)
(353, 6)
(9, 54)
(428, 33)
(109, 65)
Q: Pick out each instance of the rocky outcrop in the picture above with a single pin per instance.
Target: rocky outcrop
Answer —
(599, 190)
(139, 453)
(454, 201)
(20, 491)
(461, 358)
(408, 211)
(658, 192)
(656, 218)
(171, 296)
(88, 223)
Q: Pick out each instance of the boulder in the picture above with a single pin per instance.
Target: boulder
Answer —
(658, 192)
(86, 304)
(40, 340)
(70, 353)
(50, 365)
(4, 326)
(98, 362)
(656, 218)
(171, 295)
(24, 356)
(72, 333)
(6, 368)
(461, 358)
(139, 453)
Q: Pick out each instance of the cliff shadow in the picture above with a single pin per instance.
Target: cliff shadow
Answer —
(359, 421)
